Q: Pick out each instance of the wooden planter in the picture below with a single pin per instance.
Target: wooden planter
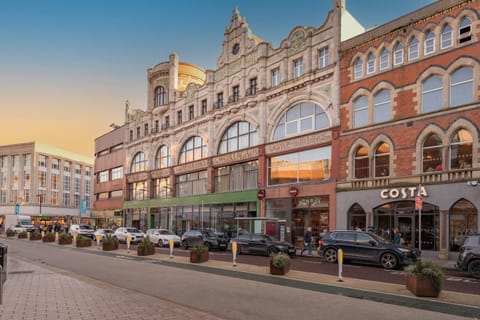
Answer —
(22, 236)
(145, 252)
(48, 239)
(279, 271)
(11, 234)
(421, 286)
(64, 241)
(83, 243)
(34, 238)
(109, 246)
(199, 258)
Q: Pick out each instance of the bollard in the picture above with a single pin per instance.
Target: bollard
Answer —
(98, 237)
(234, 252)
(43, 233)
(1, 285)
(171, 243)
(28, 235)
(75, 237)
(340, 265)
(129, 239)
(56, 236)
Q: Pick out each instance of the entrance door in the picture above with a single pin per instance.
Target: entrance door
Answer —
(405, 225)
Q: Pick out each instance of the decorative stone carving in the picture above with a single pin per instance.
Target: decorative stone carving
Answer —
(304, 141)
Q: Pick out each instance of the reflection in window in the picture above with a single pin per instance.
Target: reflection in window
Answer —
(432, 154)
(398, 54)
(382, 107)
(160, 96)
(357, 218)
(463, 222)
(413, 49)
(429, 43)
(465, 30)
(361, 165)
(382, 160)
(461, 86)
(238, 177)
(460, 150)
(384, 59)
(360, 112)
(162, 159)
(358, 69)
(371, 63)
(240, 135)
(432, 94)
(139, 163)
(446, 37)
(192, 150)
(301, 118)
(191, 184)
(310, 165)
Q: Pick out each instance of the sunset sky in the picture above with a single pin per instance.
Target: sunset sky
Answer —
(67, 67)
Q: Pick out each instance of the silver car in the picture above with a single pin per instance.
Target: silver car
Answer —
(122, 233)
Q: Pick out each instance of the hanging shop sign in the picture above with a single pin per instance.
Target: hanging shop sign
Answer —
(403, 193)
(261, 194)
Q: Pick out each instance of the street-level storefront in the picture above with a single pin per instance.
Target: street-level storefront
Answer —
(429, 217)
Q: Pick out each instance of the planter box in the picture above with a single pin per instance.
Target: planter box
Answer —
(64, 241)
(421, 286)
(22, 236)
(196, 258)
(83, 243)
(10, 234)
(145, 252)
(109, 246)
(34, 238)
(279, 271)
(48, 239)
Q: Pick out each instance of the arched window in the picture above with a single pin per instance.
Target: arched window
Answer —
(398, 54)
(413, 49)
(192, 150)
(361, 163)
(432, 154)
(465, 30)
(162, 159)
(371, 63)
(357, 218)
(358, 69)
(160, 96)
(460, 150)
(382, 160)
(360, 112)
(139, 163)
(446, 40)
(463, 222)
(240, 135)
(461, 86)
(384, 59)
(429, 43)
(382, 107)
(432, 94)
(303, 117)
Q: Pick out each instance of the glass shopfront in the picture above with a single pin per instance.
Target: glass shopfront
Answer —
(463, 223)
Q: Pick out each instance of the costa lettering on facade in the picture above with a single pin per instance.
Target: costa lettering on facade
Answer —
(403, 193)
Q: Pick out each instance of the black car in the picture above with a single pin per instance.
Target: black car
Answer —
(367, 247)
(205, 237)
(262, 244)
(469, 256)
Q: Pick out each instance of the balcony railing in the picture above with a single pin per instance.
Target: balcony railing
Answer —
(234, 98)
(251, 91)
(218, 104)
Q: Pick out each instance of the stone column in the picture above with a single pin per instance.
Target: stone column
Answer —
(443, 252)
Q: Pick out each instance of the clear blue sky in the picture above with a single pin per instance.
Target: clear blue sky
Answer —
(67, 67)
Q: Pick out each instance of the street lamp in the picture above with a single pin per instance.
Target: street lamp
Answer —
(40, 200)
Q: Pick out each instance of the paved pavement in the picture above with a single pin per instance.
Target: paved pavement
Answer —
(37, 291)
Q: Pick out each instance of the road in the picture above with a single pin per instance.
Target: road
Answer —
(224, 297)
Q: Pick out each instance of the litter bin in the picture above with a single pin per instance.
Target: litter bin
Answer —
(3, 261)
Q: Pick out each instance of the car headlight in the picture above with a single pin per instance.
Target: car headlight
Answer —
(403, 250)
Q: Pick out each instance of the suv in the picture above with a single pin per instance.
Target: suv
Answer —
(469, 256)
(81, 229)
(205, 237)
(367, 247)
(136, 235)
(162, 237)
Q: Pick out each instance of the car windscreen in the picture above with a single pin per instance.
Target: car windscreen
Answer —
(133, 230)
(472, 241)
(25, 222)
(85, 227)
(209, 234)
(165, 232)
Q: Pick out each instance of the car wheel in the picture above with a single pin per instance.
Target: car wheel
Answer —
(474, 268)
(160, 243)
(331, 255)
(271, 250)
(185, 245)
(389, 260)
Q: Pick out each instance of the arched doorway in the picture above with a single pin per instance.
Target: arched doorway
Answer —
(357, 219)
(401, 215)
(463, 222)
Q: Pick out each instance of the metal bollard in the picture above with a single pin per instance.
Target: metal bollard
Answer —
(171, 244)
(340, 265)
(1, 284)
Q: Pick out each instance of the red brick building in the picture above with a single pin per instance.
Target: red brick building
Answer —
(409, 114)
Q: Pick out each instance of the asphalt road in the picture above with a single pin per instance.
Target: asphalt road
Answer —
(225, 297)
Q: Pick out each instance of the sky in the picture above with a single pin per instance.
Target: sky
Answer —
(68, 66)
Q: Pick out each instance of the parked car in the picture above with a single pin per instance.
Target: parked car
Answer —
(469, 256)
(205, 237)
(102, 233)
(162, 237)
(122, 233)
(262, 244)
(81, 229)
(366, 247)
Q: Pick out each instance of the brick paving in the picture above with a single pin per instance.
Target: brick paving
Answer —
(38, 292)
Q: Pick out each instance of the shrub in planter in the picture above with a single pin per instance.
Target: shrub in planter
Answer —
(279, 263)
(48, 237)
(64, 238)
(83, 241)
(109, 243)
(10, 232)
(35, 235)
(23, 235)
(145, 247)
(199, 254)
(424, 278)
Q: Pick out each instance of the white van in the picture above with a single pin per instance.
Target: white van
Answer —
(18, 223)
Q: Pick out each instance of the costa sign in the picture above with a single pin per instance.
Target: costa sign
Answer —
(403, 193)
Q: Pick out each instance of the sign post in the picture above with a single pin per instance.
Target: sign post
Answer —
(418, 206)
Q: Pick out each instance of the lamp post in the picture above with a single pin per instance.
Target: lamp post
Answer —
(40, 200)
